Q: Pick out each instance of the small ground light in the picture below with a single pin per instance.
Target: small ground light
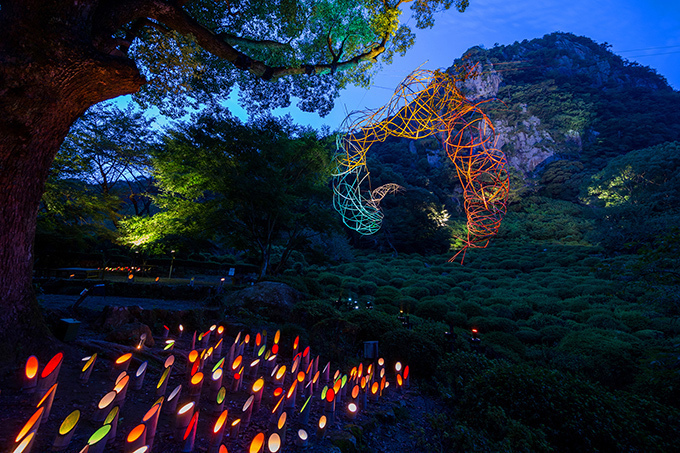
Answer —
(352, 411)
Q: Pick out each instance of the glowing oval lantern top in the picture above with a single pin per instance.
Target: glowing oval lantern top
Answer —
(197, 378)
(282, 420)
(281, 372)
(52, 365)
(35, 418)
(223, 449)
(246, 339)
(220, 330)
(322, 422)
(164, 376)
(219, 364)
(124, 358)
(113, 413)
(193, 356)
(107, 399)
(221, 421)
(337, 386)
(88, 363)
(151, 412)
(24, 443)
(258, 385)
(381, 361)
(248, 402)
(400, 382)
(277, 337)
(302, 434)
(355, 391)
(258, 339)
(278, 391)
(47, 395)
(291, 390)
(301, 376)
(184, 409)
(296, 342)
(257, 443)
(237, 363)
(275, 349)
(69, 422)
(330, 395)
(221, 395)
(352, 407)
(169, 361)
(217, 374)
(406, 372)
(32, 367)
(98, 435)
(175, 392)
(141, 369)
(136, 433)
(120, 385)
(397, 367)
(274, 442)
(142, 449)
(374, 388)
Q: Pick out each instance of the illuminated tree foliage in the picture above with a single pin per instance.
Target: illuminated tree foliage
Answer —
(252, 187)
(60, 57)
(424, 104)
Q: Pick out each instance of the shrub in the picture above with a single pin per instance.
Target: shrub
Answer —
(310, 312)
(416, 292)
(456, 319)
(387, 295)
(328, 279)
(413, 348)
(435, 310)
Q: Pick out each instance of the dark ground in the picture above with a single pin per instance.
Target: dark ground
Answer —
(385, 426)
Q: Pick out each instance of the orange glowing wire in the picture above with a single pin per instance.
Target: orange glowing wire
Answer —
(426, 103)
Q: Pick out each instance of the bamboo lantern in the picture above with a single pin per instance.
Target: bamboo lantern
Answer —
(257, 445)
(306, 357)
(104, 406)
(329, 406)
(112, 419)
(49, 375)
(190, 434)
(247, 410)
(274, 443)
(296, 343)
(280, 376)
(183, 418)
(86, 371)
(150, 420)
(166, 332)
(142, 341)
(257, 390)
(195, 386)
(192, 357)
(304, 412)
(169, 345)
(352, 411)
(218, 346)
(171, 404)
(218, 431)
(234, 429)
(163, 382)
(281, 425)
(120, 364)
(326, 374)
(407, 376)
(139, 376)
(66, 430)
(253, 368)
(98, 440)
(215, 382)
(121, 388)
(400, 383)
(301, 438)
(222, 449)
(143, 449)
(219, 400)
(321, 428)
(193, 341)
(375, 388)
(181, 330)
(47, 401)
(290, 396)
(278, 408)
(30, 377)
(25, 445)
(236, 382)
(31, 426)
(135, 438)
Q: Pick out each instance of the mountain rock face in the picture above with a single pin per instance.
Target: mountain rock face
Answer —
(567, 97)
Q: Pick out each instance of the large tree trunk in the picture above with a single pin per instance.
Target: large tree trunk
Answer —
(50, 73)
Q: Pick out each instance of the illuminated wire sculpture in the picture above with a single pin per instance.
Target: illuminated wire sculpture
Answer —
(426, 103)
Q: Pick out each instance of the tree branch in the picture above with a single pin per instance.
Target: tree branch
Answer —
(264, 43)
(178, 20)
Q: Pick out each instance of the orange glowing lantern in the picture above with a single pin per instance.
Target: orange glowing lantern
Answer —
(121, 364)
(257, 445)
(150, 419)
(218, 430)
(321, 428)
(26, 444)
(30, 374)
(135, 438)
(234, 429)
(31, 425)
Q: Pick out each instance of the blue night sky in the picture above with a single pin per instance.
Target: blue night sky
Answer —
(644, 31)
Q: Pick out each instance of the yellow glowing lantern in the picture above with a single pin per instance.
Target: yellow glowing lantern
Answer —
(277, 337)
